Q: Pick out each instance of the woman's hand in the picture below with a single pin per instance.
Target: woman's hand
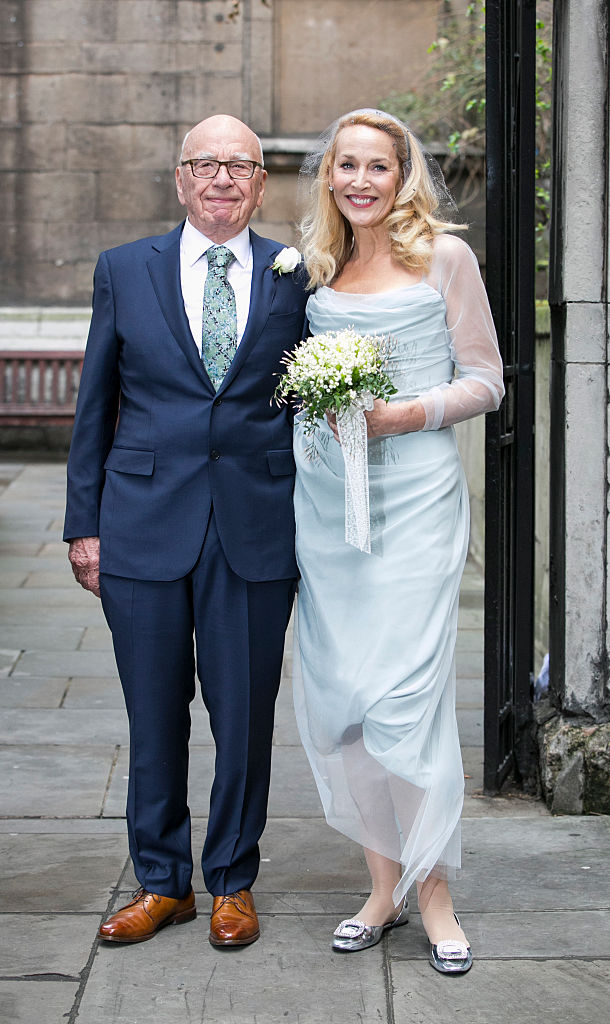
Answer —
(388, 418)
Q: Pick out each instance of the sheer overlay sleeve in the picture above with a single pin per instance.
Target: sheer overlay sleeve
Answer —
(478, 385)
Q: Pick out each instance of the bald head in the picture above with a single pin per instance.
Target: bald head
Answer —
(220, 207)
(219, 126)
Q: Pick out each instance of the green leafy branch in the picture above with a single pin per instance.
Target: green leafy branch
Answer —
(447, 109)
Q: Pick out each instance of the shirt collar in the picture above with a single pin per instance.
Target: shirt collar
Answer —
(194, 244)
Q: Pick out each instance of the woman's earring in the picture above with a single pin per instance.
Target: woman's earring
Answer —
(331, 188)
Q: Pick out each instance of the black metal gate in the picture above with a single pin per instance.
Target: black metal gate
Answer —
(509, 479)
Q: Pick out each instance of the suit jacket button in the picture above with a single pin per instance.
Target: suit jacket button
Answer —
(217, 402)
(214, 455)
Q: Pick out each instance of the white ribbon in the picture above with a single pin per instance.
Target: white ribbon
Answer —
(351, 426)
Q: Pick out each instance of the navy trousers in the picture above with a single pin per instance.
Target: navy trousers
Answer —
(239, 632)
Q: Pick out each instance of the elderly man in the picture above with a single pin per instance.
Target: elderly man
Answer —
(179, 513)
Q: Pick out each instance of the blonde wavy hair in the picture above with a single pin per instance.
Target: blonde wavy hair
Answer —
(326, 235)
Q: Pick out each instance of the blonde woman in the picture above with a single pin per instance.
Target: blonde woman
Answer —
(376, 695)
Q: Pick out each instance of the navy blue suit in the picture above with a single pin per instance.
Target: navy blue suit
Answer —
(190, 492)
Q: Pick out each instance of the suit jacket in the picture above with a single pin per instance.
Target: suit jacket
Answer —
(154, 446)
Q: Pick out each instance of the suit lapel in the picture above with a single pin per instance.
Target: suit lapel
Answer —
(164, 270)
(261, 296)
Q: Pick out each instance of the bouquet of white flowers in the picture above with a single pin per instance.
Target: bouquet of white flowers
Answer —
(341, 372)
(332, 372)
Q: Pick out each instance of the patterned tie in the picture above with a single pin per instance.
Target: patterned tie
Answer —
(219, 327)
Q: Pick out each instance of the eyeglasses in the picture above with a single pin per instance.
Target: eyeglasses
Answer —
(202, 168)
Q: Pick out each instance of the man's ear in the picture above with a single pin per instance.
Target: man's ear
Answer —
(181, 198)
(261, 193)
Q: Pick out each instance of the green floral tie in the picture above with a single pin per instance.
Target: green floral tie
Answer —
(219, 328)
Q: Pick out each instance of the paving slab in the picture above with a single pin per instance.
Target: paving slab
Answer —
(517, 936)
(36, 944)
(93, 692)
(566, 859)
(470, 726)
(56, 781)
(68, 663)
(337, 905)
(469, 664)
(40, 563)
(8, 660)
(470, 691)
(62, 826)
(470, 618)
(64, 726)
(525, 992)
(68, 873)
(55, 549)
(11, 468)
(20, 507)
(12, 547)
(48, 1002)
(473, 577)
(41, 638)
(292, 793)
(13, 578)
(32, 692)
(35, 490)
(67, 605)
(96, 638)
(465, 704)
(472, 759)
(300, 861)
(469, 640)
(28, 528)
(49, 579)
(181, 978)
(285, 731)
(49, 614)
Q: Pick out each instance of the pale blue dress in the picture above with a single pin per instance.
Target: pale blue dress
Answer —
(375, 687)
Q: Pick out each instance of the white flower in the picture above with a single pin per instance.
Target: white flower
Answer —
(286, 260)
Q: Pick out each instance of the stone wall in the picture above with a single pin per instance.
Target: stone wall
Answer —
(574, 729)
(97, 95)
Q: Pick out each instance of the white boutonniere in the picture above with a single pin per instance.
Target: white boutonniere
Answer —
(286, 260)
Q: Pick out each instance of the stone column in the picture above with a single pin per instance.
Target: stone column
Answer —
(574, 730)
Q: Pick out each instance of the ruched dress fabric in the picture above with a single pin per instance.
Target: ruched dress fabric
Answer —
(375, 683)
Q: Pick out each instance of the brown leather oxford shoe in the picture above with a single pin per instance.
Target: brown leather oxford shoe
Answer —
(145, 915)
(234, 921)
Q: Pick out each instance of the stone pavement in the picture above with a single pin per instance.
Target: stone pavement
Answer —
(534, 895)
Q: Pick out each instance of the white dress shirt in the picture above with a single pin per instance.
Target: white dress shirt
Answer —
(194, 270)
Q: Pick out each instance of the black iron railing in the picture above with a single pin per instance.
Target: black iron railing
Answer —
(509, 487)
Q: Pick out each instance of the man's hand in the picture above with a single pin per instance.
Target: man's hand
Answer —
(84, 555)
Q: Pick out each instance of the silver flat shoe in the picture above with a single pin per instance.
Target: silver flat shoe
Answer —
(353, 935)
(450, 956)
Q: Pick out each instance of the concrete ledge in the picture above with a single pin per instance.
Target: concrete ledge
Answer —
(44, 327)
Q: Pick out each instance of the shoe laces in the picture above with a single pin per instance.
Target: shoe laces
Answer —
(141, 894)
(238, 902)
